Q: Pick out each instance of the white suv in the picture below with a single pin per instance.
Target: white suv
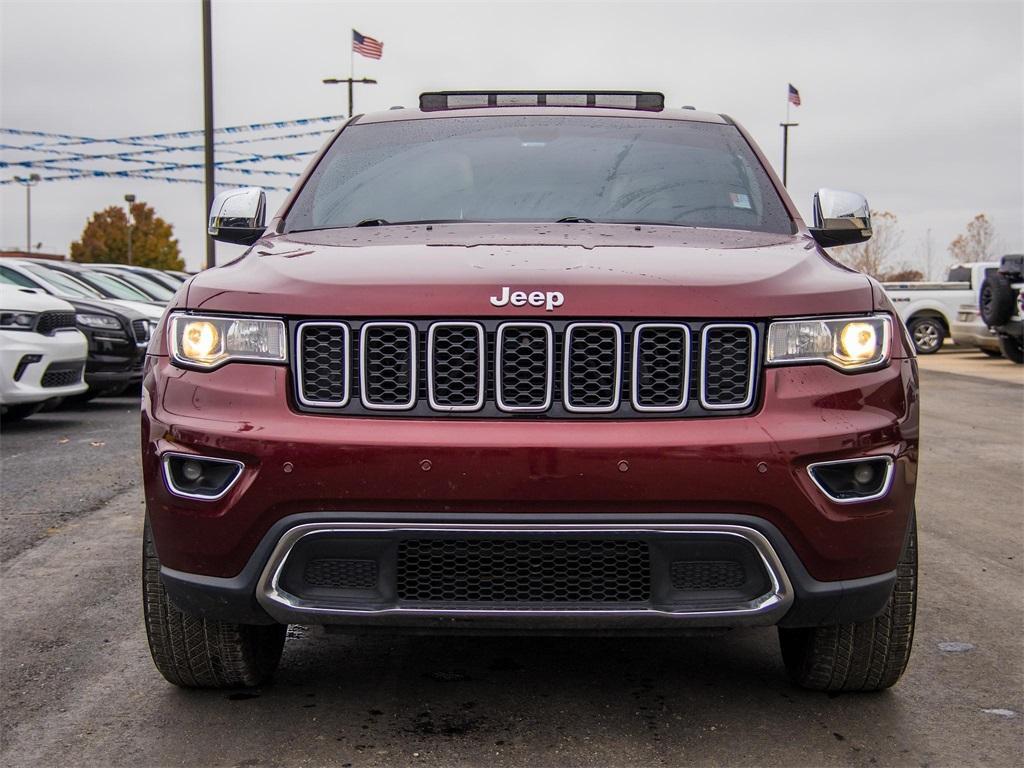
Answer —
(42, 353)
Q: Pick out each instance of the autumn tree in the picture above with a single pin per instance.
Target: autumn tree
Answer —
(105, 239)
(977, 244)
(878, 256)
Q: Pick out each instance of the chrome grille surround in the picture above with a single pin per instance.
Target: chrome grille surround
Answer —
(501, 355)
(438, 367)
(344, 368)
(707, 401)
(364, 367)
(432, 362)
(638, 336)
(571, 366)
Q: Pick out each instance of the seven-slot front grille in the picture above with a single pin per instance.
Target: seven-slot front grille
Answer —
(554, 369)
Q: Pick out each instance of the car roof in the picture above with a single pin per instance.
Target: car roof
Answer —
(397, 115)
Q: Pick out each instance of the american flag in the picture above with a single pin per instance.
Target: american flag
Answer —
(370, 48)
(794, 95)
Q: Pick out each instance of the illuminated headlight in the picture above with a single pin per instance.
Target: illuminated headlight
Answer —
(17, 321)
(209, 341)
(847, 343)
(107, 322)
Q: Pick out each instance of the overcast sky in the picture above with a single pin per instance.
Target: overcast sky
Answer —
(920, 106)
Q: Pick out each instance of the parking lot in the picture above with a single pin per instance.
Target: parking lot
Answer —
(80, 688)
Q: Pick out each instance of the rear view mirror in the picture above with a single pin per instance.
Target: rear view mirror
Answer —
(840, 218)
(238, 216)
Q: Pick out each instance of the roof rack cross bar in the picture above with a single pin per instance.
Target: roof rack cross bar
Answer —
(646, 101)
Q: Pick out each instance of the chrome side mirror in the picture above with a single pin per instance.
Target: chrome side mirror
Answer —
(238, 216)
(840, 218)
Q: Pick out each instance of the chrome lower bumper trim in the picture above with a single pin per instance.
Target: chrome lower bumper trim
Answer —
(765, 609)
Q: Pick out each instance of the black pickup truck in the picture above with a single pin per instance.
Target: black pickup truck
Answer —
(1000, 302)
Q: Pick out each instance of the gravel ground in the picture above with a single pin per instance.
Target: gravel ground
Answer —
(78, 686)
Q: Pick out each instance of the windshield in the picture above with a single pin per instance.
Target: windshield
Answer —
(115, 287)
(147, 286)
(65, 284)
(541, 169)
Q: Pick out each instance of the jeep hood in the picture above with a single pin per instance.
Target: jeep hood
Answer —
(602, 270)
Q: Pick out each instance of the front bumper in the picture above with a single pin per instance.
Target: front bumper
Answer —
(64, 348)
(115, 359)
(790, 596)
(838, 558)
(974, 333)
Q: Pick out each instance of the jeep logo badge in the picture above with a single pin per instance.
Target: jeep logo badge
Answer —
(547, 299)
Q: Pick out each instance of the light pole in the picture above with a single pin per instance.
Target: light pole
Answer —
(28, 182)
(131, 225)
(350, 81)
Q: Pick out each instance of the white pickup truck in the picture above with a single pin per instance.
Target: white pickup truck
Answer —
(930, 309)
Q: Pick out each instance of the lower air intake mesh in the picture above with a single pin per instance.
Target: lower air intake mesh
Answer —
(524, 571)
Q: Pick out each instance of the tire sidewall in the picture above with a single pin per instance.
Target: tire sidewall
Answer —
(940, 334)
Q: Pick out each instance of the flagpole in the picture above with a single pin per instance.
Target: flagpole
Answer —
(351, 71)
(785, 140)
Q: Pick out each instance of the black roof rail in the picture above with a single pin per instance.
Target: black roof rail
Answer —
(646, 101)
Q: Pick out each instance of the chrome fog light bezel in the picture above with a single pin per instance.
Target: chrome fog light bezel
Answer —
(165, 464)
(886, 486)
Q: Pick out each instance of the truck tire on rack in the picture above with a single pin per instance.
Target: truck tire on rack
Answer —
(995, 301)
(927, 333)
(199, 653)
(866, 656)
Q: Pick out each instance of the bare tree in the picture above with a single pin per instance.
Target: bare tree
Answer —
(977, 244)
(877, 256)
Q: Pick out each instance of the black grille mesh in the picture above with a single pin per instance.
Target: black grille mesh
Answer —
(341, 573)
(593, 367)
(727, 365)
(707, 574)
(62, 374)
(140, 330)
(324, 363)
(525, 372)
(54, 320)
(524, 571)
(457, 366)
(387, 356)
(660, 353)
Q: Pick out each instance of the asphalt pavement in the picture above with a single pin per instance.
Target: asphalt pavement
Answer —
(78, 687)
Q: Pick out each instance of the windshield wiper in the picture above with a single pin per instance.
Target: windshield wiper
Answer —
(385, 222)
(574, 220)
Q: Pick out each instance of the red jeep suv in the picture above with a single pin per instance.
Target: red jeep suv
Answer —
(559, 362)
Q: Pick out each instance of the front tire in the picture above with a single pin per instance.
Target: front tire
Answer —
(192, 652)
(13, 413)
(927, 333)
(865, 656)
(1013, 348)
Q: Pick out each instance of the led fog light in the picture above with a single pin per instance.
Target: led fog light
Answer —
(852, 480)
(198, 477)
(192, 470)
(863, 474)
